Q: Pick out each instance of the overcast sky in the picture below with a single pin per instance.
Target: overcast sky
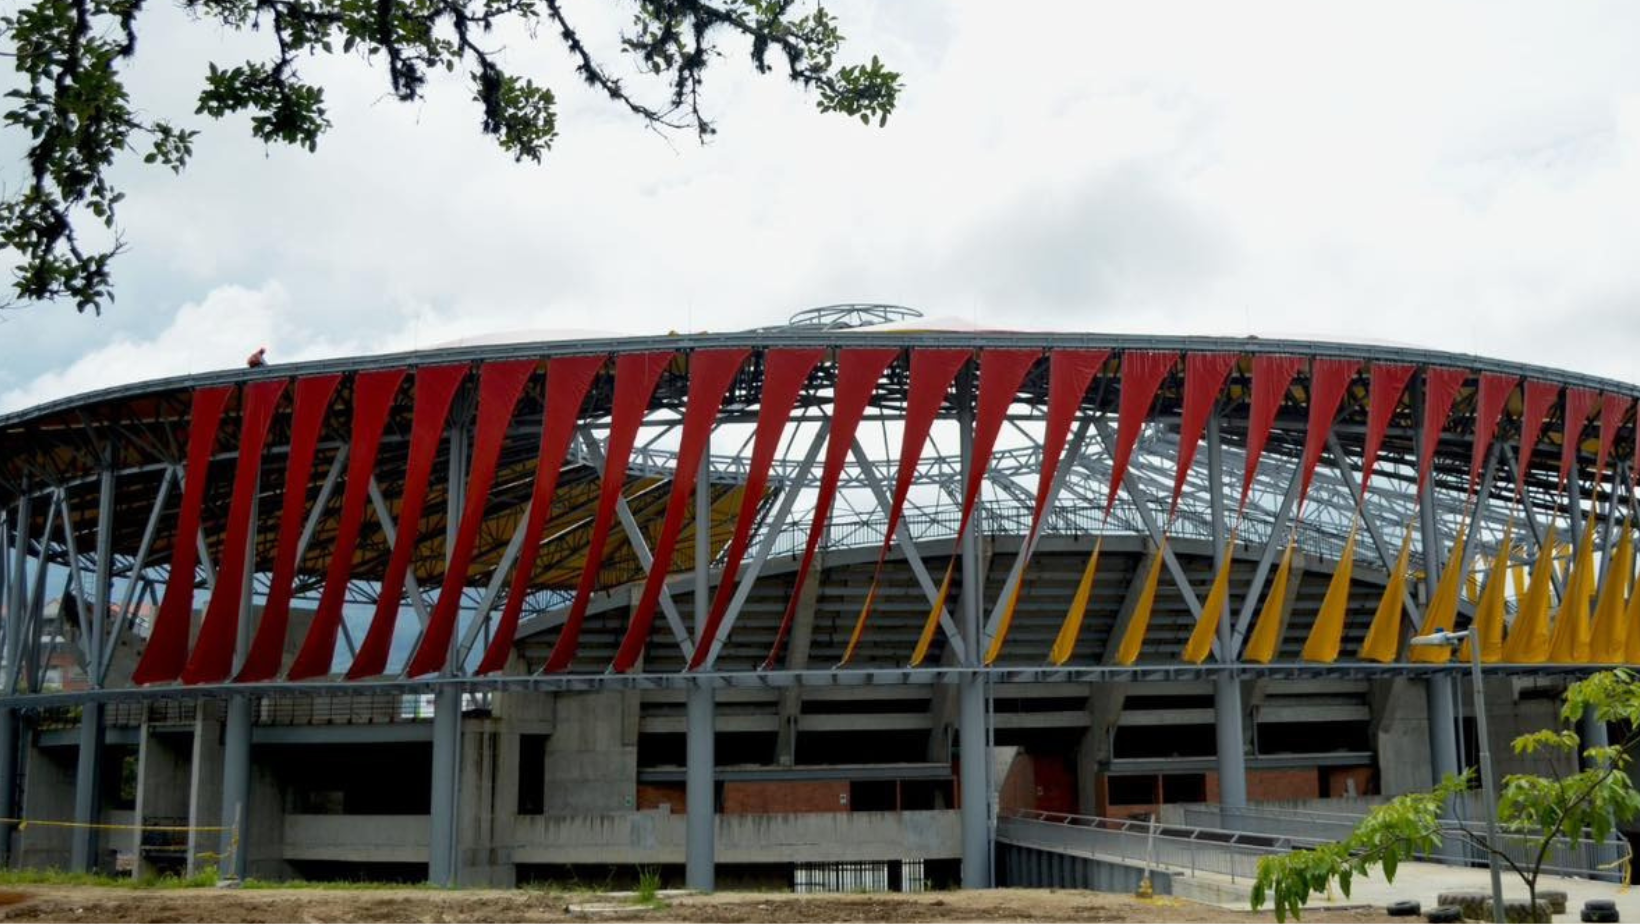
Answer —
(1465, 177)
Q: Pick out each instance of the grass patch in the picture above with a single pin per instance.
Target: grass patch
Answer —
(649, 887)
(203, 879)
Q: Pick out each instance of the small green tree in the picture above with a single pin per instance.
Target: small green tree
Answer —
(1535, 809)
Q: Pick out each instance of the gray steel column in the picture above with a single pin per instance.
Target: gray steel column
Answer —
(8, 718)
(1591, 730)
(700, 789)
(8, 779)
(1443, 742)
(1231, 747)
(236, 786)
(442, 866)
(87, 777)
(971, 730)
(236, 731)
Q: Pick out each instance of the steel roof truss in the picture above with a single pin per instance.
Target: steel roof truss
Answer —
(771, 529)
(640, 546)
(909, 548)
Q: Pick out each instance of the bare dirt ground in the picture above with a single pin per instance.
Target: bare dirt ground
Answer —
(85, 903)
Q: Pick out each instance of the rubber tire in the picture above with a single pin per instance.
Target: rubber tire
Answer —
(1444, 914)
(1404, 910)
(1599, 916)
(1600, 904)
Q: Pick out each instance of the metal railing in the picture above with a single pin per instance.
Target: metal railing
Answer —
(1586, 859)
(1184, 850)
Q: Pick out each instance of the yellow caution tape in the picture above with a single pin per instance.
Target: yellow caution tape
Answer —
(24, 823)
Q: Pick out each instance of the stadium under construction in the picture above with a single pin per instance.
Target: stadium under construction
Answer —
(789, 605)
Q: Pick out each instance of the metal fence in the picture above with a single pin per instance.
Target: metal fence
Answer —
(859, 876)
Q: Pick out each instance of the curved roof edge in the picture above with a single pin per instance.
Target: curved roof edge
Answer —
(859, 337)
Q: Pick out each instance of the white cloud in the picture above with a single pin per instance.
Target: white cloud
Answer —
(218, 332)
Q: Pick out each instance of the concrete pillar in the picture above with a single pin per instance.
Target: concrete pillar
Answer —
(205, 787)
(441, 838)
(87, 788)
(48, 793)
(163, 768)
(8, 777)
(700, 791)
(234, 809)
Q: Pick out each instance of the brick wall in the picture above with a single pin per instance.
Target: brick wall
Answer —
(1275, 785)
(651, 796)
(781, 798)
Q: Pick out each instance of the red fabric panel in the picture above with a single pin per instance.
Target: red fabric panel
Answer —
(1579, 403)
(1441, 388)
(167, 650)
(435, 389)
(1271, 377)
(1069, 374)
(636, 375)
(1204, 375)
(1000, 374)
(373, 394)
(1613, 408)
(1489, 403)
(1535, 404)
(857, 375)
(710, 374)
(1389, 380)
(568, 380)
(500, 384)
(212, 660)
(1142, 374)
(784, 374)
(932, 372)
(1328, 380)
(313, 396)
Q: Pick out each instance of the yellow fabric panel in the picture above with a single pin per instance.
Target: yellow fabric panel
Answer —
(1517, 577)
(1442, 612)
(929, 624)
(1004, 621)
(1528, 639)
(1139, 621)
(1610, 634)
(1327, 632)
(1200, 644)
(1488, 623)
(1631, 619)
(1071, 628)
(860, 625)
(1261, 645)
(1569, 641)
(1472, 585)
(1383, 641)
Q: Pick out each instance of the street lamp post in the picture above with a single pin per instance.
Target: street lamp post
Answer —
(1489, 790)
